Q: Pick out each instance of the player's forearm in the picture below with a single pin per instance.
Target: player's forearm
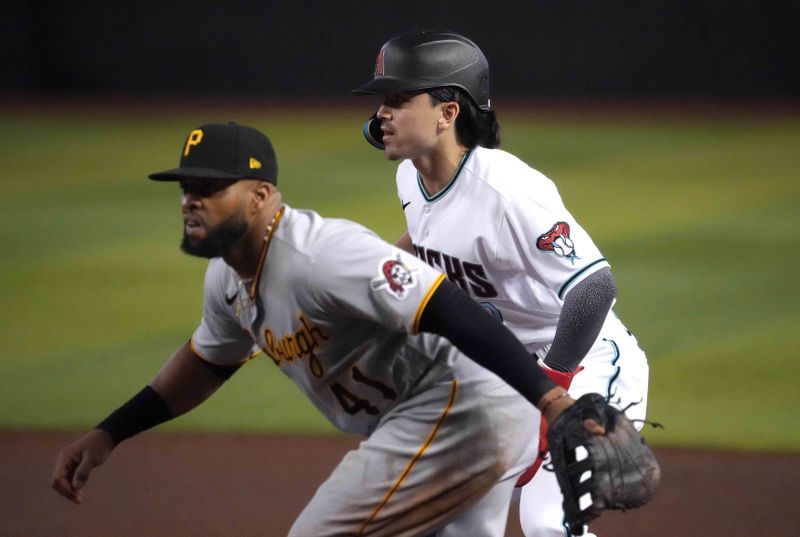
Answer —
(181, 385)
(585, 309)
(186, 381)
(453, 314)
(144, 410)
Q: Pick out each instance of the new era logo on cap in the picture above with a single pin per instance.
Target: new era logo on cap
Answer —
(225, 151)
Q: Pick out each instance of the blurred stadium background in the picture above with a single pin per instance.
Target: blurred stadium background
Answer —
(671, 127)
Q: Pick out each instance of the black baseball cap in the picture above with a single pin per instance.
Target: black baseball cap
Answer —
(224, 151)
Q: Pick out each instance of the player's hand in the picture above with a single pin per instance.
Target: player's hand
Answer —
(76, 461)
(560, 404)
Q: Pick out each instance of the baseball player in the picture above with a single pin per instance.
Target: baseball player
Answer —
(500, 231)
(360, 326)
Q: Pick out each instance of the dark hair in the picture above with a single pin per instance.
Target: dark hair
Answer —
(473, 125)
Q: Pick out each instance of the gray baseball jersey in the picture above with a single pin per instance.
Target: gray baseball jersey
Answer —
(337, 309)
(333, 308)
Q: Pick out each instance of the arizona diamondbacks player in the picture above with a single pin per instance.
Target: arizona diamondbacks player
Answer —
(337, 309)
(500, 231)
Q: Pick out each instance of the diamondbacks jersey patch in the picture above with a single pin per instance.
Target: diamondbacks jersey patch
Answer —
(557, 241)
(395, 277)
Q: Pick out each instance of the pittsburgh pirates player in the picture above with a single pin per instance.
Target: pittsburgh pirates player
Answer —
(500, 231)
(357, 324)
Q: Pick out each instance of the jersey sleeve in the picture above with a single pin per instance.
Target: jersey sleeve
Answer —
(220, 339)
(357, 274)
(546, 238)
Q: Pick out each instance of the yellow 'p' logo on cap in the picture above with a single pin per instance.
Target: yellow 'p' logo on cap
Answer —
(194, 139)
(254, 164)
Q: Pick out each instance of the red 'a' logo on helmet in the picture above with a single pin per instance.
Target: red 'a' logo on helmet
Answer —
(379, 64)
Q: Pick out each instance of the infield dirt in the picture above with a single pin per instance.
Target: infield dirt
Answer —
(196, 485)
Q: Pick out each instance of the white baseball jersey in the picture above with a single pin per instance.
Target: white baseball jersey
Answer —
(334, 308)
(501, 232)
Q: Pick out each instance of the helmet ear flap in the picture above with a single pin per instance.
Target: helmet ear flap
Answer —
(373, 133)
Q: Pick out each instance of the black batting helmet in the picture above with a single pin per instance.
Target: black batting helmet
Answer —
(427, 60)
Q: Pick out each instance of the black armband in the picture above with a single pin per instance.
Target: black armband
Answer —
(144, 410)
(451, 313)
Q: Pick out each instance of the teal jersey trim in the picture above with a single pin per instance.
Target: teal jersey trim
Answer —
(572, 279)
(446, 189)
(609, 393)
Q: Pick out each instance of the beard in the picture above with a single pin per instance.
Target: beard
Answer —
(219, 240)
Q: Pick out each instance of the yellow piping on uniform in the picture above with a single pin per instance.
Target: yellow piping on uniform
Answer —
(256, 353)
(428, 442)
(425, 300)
(201, 357)
(194, 350)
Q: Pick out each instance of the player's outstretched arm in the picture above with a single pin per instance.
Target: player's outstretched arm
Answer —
(183, 383)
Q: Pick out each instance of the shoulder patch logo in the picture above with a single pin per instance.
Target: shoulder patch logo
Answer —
(557, 241)
(395, 277)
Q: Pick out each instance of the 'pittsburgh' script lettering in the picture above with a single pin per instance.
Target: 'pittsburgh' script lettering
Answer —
(297, 345)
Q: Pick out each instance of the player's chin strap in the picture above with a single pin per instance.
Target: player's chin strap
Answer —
(373, 133)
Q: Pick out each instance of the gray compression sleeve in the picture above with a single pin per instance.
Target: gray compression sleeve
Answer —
(585, 309)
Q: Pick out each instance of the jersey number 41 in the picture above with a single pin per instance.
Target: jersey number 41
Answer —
(353, 404)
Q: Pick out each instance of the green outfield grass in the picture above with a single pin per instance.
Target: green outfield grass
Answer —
(699, 216)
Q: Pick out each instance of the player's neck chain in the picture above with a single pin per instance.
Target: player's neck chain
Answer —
(264, 248)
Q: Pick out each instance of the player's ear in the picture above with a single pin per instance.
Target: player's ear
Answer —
(450, 111)
(260, 194)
